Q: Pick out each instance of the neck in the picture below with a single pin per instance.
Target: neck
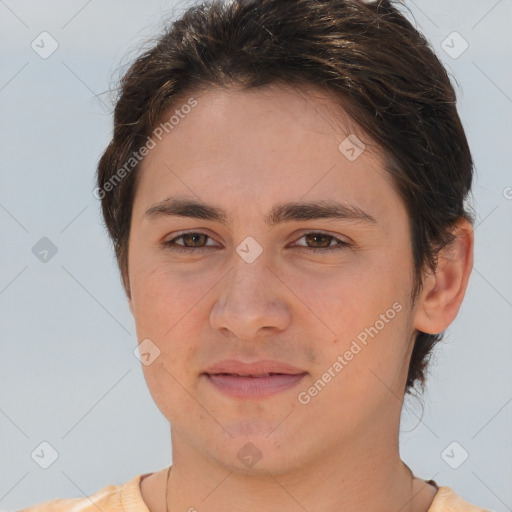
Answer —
(358, 477)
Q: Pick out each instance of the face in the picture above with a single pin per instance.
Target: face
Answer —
(319, 299)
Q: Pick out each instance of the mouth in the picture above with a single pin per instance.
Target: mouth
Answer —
(255, 380)
(251, 375)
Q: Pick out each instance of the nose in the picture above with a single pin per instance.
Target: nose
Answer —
(251, 302)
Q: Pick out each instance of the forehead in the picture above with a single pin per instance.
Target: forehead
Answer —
(272, 142)
(278, 113)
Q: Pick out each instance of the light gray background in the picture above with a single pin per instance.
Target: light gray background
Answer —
(69, 376)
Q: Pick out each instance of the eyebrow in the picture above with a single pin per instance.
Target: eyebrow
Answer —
(284, 212)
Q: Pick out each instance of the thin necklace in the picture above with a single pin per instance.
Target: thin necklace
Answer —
(167, 487)
(412, 486)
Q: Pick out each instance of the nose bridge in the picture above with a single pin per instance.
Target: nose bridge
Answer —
(250, 260)
(249, 298)
(249, 281)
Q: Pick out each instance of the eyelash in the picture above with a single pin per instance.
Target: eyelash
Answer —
(170, 244)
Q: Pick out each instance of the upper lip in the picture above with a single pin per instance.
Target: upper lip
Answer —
(232, 366)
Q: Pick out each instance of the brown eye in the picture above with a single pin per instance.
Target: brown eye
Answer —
(319, 238)
(322, 242)
(196, 241)
(192, 241)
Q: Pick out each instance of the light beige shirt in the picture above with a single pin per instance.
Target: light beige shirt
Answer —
(127, 498)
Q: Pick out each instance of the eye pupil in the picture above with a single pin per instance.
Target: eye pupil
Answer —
(315, 236)
(188, 236)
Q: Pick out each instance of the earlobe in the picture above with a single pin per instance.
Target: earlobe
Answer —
(444, 289)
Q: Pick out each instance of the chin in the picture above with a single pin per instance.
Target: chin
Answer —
(257, 449)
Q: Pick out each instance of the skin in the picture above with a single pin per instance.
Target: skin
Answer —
(246, 152)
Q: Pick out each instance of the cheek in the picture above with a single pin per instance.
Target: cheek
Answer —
(162, 298)
(358, 380)
(166, 307)
(367, 308)
(167, 310)
(345, 301)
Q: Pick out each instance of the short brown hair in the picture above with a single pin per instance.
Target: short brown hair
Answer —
(367, 55)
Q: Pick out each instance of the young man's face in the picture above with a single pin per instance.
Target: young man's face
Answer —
(340, 319)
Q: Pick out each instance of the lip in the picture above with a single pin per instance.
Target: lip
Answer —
(232, 366)
(253, 380)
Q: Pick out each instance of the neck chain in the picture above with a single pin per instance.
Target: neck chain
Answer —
(166, 488)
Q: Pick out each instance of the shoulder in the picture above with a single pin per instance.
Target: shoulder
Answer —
(446, 500)
(112, 498)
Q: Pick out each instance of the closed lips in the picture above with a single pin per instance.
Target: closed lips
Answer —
(253, 375)
(253, 381)
(263, 368)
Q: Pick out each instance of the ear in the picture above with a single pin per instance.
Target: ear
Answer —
(444, 289)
